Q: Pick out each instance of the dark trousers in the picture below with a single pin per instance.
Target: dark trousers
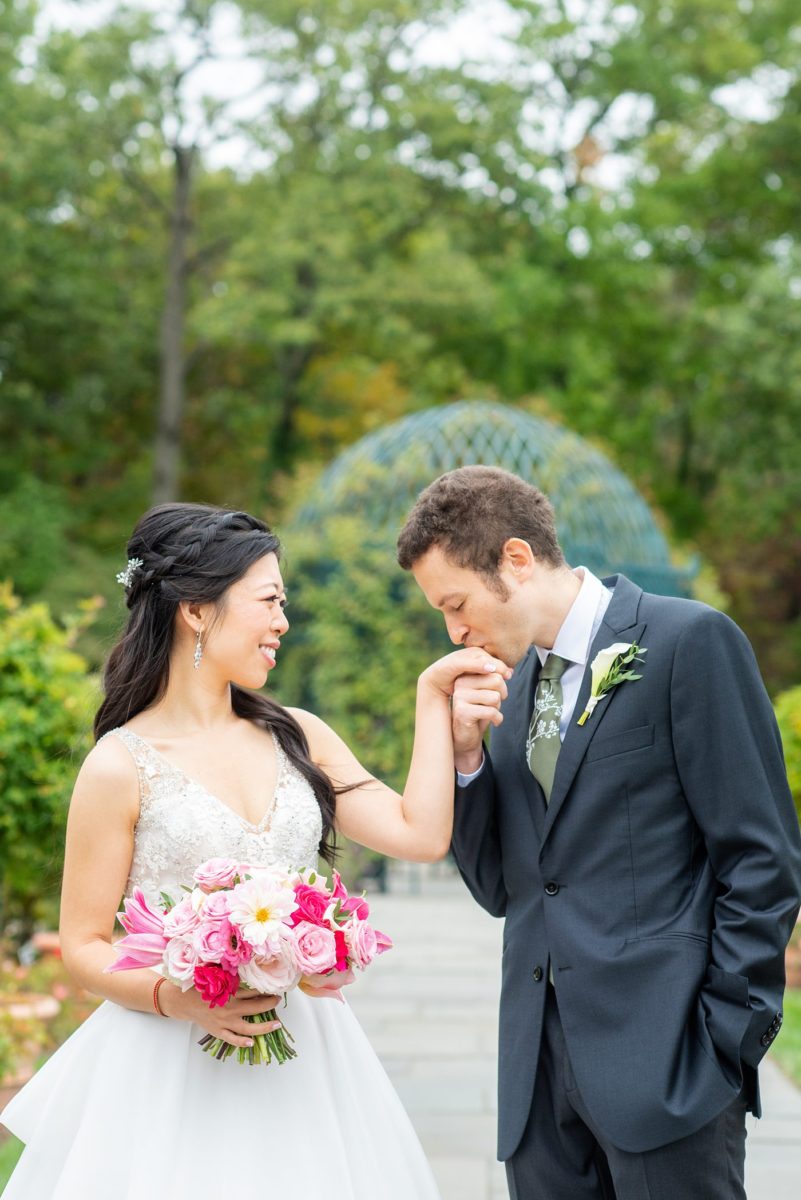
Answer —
(564, 1156)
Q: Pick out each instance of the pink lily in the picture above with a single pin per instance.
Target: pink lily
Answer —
(352, 905)
(382, 942)
(145, 940)
(138, 916)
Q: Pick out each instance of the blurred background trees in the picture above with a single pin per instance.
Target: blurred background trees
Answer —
(238, 235)
(46, 701)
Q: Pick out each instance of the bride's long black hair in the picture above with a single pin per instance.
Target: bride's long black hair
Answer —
(194, 552)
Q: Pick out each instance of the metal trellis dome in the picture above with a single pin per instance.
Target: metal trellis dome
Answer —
(603, 521)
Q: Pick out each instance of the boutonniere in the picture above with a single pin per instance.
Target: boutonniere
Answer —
(608, 670)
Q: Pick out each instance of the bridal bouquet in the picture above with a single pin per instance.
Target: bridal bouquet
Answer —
(263, 928)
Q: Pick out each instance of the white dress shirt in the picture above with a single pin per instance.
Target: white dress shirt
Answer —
(573, 641)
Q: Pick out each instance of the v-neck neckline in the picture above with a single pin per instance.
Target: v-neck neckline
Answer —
(261, 826)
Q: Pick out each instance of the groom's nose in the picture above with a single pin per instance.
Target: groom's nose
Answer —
(456, 632)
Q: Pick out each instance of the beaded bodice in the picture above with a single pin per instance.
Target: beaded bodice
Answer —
(181, 824)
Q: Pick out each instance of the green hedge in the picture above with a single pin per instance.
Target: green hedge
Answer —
(46, 703)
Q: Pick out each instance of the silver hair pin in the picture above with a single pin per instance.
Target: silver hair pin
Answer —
(126, 577)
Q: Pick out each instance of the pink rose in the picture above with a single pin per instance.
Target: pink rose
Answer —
(180, 960)
(314, 948)
(182, 920)
(383, 942)
(312, 904)
(210, 941)
(216, 873)
(215, 985)
(362, 943)
(216, 909)
(271, 976)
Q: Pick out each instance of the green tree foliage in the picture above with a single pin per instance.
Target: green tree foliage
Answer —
(601, 224)
(788, 714)
(360, 634)
(46, 700)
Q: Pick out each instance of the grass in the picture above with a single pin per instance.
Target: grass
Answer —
(787, 1047)
(10, 1151)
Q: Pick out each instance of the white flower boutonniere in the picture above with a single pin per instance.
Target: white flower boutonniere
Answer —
(608, 671)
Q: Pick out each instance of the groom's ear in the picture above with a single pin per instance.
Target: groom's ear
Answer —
(517, 558)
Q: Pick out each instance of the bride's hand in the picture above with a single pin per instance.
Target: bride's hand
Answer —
(441, 676)
(226, 1022)
(476, 683)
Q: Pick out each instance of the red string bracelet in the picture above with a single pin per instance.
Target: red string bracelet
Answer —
(156, 1004)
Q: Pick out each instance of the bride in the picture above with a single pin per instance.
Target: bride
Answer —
(191, 763)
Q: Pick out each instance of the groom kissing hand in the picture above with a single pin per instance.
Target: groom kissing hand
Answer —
(633, 824)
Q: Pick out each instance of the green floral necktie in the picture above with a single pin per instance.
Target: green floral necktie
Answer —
(544, 743)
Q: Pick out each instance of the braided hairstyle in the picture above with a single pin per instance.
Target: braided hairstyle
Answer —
(194, 552)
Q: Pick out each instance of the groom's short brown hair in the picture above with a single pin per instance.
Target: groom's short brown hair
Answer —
(471, 513)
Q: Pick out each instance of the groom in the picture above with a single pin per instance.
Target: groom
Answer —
(646, 856)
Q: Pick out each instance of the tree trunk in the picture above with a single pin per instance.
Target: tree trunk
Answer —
(172, 350)
(292, 362)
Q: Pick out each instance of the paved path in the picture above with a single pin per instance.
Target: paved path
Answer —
(430, 1009)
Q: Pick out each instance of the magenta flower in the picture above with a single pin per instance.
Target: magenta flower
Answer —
(235, 949)
(341, 945)
(312, 905)
(215, 985)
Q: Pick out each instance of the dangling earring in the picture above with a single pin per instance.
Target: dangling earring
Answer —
(198, 650)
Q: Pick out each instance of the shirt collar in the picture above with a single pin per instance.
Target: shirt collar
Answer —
(582, 622)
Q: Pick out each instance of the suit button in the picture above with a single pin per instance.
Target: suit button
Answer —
(764, 1040)
(537, 973)
(551, 888)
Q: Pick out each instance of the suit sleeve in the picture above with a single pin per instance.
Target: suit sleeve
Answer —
(729, 757)
(476, 843)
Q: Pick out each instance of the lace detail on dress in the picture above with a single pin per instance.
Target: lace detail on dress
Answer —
(181, 824)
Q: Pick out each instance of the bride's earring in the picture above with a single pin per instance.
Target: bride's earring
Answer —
(198, 650)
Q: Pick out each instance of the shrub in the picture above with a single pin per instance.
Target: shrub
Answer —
(46, 701)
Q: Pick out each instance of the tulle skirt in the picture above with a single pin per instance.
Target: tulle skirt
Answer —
(130, 1108)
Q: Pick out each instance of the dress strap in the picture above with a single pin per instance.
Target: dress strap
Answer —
(147, 762)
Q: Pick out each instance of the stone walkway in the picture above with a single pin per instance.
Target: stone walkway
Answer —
(430, 1009)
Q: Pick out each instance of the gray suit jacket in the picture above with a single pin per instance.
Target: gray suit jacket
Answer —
(662, 881)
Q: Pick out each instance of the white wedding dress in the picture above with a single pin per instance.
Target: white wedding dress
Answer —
(130, 1108)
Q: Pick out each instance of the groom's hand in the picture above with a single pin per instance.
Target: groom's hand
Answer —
(476, 705)
(476, 683)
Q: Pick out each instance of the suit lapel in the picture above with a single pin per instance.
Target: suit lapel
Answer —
(619, 624)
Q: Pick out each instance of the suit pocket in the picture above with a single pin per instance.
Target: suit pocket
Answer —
(672, 935)
(724, 1014)
(623, 742)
